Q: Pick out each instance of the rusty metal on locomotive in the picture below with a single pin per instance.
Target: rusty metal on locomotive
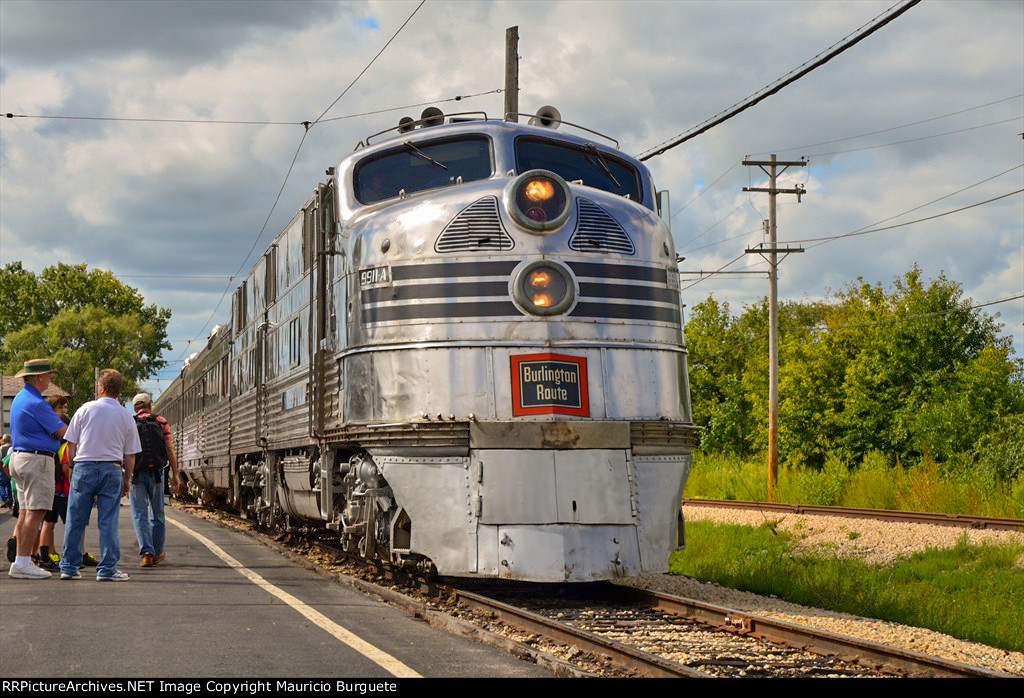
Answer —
(464, 352)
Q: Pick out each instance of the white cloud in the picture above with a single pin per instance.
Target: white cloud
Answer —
(145, 199)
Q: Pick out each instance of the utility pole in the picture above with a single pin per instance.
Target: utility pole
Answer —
(772, 251)
(512, 72)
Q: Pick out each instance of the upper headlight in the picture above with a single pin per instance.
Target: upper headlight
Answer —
(538, 200)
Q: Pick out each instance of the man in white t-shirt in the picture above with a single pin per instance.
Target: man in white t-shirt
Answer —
(102, 443)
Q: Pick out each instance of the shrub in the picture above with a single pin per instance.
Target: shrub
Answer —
(1000, 453)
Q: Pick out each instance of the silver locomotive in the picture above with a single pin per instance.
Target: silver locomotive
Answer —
(463, 352)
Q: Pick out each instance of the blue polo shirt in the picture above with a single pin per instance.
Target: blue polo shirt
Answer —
(33, 422)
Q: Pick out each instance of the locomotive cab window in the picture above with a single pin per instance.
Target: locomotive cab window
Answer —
(414, 167)
(574, 163)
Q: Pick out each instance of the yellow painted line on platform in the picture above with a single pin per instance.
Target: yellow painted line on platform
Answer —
(360, 645)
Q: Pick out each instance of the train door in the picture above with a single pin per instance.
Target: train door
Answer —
(322, 320)
(325, 369)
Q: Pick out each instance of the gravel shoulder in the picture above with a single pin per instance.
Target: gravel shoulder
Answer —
(876, 542)
(872, 541)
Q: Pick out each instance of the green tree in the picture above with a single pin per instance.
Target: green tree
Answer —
(82, 319)
(715, 347)
(79, 340)
(911, 350)
(19, 294)
(966, 404)
(27, 299)
(905, 370)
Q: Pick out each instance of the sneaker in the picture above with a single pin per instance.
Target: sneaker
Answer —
(146, 561)
(12, 549)
(47, 564)
(55, 557)
(71, 575)
(89, 561)
(159, 558)
(28, 571)
(118, 576)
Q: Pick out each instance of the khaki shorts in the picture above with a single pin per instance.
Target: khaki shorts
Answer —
(34, 476)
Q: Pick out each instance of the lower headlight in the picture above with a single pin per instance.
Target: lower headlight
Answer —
(544, 288)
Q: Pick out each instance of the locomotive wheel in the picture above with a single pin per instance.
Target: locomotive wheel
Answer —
(273, 517)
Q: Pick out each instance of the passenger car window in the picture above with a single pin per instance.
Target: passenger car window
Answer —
(423, 165)
(572, 163)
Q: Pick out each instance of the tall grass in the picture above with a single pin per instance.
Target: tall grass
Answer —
(968, 591)
(872, 484)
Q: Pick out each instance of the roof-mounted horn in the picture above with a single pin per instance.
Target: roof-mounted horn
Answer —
(548, 117)
(432, 116)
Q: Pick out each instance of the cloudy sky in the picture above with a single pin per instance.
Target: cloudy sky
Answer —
(172, 208)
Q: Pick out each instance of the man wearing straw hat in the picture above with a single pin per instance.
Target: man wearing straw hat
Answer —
(36, 431)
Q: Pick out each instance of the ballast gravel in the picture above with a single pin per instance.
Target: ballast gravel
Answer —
(872, 541)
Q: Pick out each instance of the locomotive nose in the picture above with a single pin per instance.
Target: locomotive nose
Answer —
(538, 201)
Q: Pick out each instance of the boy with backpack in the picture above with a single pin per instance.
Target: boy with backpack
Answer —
(147, 493)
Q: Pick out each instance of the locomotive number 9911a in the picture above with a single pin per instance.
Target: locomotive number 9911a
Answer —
(463, 354)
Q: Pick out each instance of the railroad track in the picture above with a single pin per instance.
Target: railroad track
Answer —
(636, 631)
(986, 522)
(660, 635)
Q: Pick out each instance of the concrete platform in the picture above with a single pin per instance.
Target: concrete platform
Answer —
(196, 615)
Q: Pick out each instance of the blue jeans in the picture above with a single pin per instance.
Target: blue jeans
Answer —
(148, 494)
(5, 488)
(100, 482)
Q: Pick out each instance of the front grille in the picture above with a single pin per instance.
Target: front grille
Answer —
(597, 231)
(477, 227)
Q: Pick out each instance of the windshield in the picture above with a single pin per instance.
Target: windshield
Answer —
(584, 164)
(418, 166)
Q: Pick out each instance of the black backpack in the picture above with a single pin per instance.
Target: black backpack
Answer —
(154, 446)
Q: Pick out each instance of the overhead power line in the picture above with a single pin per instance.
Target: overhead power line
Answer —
(305, 133)
(153, 120)
(831, 52)
(703, 278)
(169, 276)
(896, 321)
(702, 191)
(946, 196)
(900, 225)
(372, 60)
(868, 228)
(927, 203)
(231, 279)
(456, 98)
(716, 224)
(914, 140)
(728, 239)
(699, 360)
(861, 135)
(891, 128)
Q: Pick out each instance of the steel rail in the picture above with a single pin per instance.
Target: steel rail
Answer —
(984, 522)
(644, 663)
(866, 653)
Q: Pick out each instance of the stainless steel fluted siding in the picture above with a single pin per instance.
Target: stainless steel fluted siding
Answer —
(286, 425)
(243, 423)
